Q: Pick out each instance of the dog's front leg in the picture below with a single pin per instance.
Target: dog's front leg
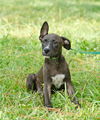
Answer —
(71, 92)
(47, 86)
(47, 94)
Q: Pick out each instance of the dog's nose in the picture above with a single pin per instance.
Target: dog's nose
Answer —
(46, 50)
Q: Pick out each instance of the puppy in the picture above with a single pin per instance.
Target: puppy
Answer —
(55, 72)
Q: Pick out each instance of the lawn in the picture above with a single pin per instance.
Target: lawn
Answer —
(20, 54)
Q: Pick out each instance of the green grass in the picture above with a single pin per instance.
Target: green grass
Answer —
(20, 54)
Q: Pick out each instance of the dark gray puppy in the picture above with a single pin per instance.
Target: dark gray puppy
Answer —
(55, 72)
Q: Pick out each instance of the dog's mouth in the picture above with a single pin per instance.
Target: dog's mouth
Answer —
(49, 55)
(46, 54)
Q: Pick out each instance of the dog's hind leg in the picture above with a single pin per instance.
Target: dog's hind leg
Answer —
(31, 82)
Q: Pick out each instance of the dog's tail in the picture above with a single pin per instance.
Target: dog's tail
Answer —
(31, 82)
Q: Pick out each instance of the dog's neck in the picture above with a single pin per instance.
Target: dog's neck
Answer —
(56, 59)
(52, 58)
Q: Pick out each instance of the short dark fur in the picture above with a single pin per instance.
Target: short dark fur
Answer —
(53, 65)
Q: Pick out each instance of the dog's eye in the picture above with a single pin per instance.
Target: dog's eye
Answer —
(53, 40)
(45, 40)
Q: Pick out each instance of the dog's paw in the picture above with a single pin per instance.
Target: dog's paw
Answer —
(48, 106)
(77, 106)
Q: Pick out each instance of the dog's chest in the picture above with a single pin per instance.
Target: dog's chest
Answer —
(57, 80)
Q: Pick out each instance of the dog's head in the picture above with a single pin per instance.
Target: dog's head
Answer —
(52, 43)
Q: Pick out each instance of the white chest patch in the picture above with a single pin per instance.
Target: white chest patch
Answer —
(57, 80)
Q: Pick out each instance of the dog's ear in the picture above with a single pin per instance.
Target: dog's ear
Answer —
(44, 30)
(66, 43)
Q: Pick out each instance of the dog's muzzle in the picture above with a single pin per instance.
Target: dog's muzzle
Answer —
(46, 51)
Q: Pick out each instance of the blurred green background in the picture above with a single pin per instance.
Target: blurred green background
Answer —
(20, 54)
